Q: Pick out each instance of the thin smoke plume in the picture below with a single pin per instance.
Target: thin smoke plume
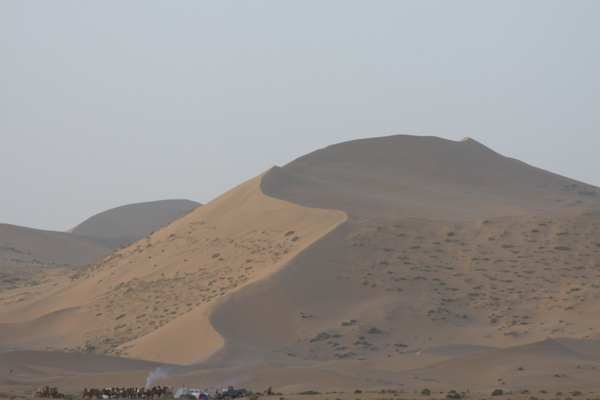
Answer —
(158, 373)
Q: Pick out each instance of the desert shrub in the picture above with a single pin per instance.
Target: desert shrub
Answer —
(497, 392)
(216, 255)
(345, 355)
(575, 392)
(120, 316)
(289, 233)
(358, 391)
(374, 330)
(562, 248)
(309, 393)
(295, 238)
(426, 392)
(320, 336)
(452, 394)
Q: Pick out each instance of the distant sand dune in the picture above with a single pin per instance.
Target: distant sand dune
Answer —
(132, 222)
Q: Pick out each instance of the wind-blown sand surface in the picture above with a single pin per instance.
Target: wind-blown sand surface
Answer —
(394, 264)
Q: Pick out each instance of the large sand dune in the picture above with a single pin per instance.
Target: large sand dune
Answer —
(388, 263)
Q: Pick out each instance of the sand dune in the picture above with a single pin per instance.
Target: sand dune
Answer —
(133, 222)
(389, 263)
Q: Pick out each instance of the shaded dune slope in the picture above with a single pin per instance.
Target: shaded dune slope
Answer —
(422, 177)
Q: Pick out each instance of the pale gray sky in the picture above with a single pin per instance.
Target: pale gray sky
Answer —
(109, 103)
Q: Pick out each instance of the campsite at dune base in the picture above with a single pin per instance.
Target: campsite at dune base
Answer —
(370, 269)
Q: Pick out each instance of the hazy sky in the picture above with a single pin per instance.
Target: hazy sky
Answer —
(109, 103)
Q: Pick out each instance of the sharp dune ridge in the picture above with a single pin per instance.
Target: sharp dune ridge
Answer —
(392, 262)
